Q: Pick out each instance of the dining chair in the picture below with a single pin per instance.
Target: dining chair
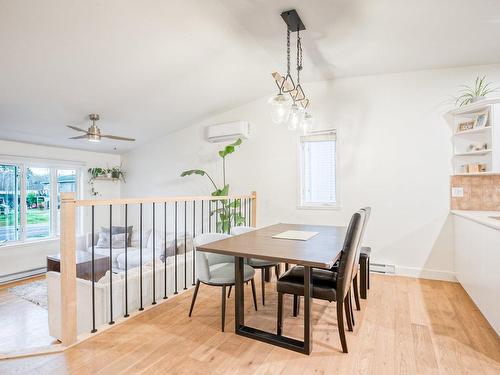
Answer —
(327, 284)
(263, 265)
(218, 270)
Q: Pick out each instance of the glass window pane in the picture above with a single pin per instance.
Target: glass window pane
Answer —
(10, 198)
(37, 202)
(318, 169)
(66, 183)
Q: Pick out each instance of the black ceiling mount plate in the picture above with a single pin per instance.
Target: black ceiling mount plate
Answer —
(293, 21)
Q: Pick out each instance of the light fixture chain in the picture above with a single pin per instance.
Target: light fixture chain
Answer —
(299, 57)
(287, 51)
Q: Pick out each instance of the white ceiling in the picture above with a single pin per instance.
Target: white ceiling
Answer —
(152, 66)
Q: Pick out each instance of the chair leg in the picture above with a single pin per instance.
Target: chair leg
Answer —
(286, 266)
(229, 293)
(340, 323)
(351, 310)
(294, 305)
(263, 281)
(368, 271)
(356, 293)
(363, 276)
(223, 307)
(194, 296)
(280, 314)
(347, 312)
(254, 294)
(277, 271)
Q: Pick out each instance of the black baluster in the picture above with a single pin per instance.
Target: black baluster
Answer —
(217, 216)
(185, 245)
(140, 256)
(93, 276)
(245, 210)
(229, 213)
(111, 264)
(154, 255)
(193, 236)
(239, 210)
(126, 260)
(175, 235)
(165, 250)
(209, 216)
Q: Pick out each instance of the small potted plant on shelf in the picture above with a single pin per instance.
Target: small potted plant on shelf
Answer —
(470, 94)
(115, 173)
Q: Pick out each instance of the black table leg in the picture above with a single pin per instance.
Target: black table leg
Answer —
(239, 297)
(241, 329)
(307, 310)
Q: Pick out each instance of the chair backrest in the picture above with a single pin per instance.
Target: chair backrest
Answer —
(367, 211)
(349, 252)
(241, 229)
(204, 260)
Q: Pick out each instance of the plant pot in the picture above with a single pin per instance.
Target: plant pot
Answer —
(477, 99)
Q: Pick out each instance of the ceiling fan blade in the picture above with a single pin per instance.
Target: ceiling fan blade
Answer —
(76, 128)
(79, 137)
(118, 138)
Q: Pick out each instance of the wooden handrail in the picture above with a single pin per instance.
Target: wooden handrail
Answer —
(118, 201)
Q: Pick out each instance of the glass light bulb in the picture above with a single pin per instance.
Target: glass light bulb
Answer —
(280, 108)
(307, 123)
(295, 118)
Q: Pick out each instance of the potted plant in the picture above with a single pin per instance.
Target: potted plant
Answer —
(111, 173)
(228, 212)
(470, 94)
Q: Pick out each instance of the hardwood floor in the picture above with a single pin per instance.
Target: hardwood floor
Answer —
(407, 326)
(22, 323)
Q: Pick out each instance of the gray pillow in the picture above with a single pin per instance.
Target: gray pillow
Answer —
(118, 240)
(120, 230)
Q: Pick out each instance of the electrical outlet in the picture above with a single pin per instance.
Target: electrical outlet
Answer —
(457, 192)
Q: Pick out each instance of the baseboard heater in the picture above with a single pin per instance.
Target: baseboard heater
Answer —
(22, 275)
(383, 268)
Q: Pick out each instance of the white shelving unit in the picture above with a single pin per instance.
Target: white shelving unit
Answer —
(488, 135)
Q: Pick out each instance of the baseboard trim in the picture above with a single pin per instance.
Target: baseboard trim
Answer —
(21, 275)
(426, 273)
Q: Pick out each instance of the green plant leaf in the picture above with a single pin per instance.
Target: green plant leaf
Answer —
(193, 171)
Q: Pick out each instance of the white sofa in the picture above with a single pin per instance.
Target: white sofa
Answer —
(133, 251)
(102, 300)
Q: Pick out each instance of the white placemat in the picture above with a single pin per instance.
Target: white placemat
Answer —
(299, 235)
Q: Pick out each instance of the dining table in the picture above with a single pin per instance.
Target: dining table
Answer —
(320, 251)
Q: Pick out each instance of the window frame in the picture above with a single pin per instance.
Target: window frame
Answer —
(23, 163)
(301, 204)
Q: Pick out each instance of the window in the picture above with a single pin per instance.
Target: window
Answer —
(30, 199)
(318, 182)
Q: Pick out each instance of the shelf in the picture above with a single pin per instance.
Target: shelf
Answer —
(473, 107)
(105, 178)
(477, 174)
(474, 131)
(474, 153)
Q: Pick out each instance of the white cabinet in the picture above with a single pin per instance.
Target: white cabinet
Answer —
(477, 265)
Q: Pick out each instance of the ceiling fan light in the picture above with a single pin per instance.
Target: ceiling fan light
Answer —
(93, 138)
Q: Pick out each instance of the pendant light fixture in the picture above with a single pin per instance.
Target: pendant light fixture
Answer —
(285, 111)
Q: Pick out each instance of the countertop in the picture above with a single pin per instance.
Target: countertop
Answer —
(481, 217)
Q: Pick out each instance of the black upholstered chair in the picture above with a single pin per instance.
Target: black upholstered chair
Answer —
(327, 284)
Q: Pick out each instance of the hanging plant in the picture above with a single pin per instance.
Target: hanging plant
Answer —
(228, 213)
(115, 173)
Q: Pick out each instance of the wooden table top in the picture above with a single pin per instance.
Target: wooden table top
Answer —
(320, 251)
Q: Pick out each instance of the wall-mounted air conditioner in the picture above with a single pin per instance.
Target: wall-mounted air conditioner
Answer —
(228, 131)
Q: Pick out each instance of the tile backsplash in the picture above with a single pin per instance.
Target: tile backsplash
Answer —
(480, 193)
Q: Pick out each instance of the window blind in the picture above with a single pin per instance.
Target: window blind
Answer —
(318, 170)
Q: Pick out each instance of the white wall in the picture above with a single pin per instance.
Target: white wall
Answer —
(394, 154)
(27, 256)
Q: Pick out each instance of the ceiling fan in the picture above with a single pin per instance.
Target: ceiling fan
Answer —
(93, 134)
